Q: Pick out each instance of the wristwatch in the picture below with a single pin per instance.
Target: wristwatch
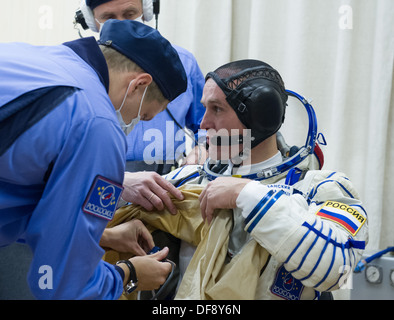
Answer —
(132, 282)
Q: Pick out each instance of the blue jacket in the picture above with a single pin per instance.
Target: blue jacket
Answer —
(164, 140)
(61, 176)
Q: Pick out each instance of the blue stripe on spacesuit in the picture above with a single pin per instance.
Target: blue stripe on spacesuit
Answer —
(344, 266)
(187, 179)
(259, 206)
(347, 245)
(329, 268)
(347, 191)
(330, 175)
(343, 247)
(343, 188)
(299, 243)
(320, 257)
(177, 173)
(271, 202)
(306, 254)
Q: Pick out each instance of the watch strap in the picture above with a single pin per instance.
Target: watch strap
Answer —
(132, 282)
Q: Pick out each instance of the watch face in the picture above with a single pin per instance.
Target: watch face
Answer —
(373, 274)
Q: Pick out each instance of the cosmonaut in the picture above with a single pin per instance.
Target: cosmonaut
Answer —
(310, 221)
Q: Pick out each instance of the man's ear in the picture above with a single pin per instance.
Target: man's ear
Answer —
(143, 79)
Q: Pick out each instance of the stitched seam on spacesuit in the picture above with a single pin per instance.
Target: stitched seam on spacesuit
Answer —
(272, 201)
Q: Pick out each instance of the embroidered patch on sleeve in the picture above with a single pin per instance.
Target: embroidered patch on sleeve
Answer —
(103, 198)
(286, 286)
(346, 216)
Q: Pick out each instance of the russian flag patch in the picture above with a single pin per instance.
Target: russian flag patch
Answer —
(343, 214)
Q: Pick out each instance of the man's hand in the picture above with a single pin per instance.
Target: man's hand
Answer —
(151, 272)
(222, 193)
(131, 236)
(150, 190)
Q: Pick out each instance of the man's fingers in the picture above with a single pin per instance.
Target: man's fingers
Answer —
(147, 239)
(161, 255)
(169, 187)
(162, 191)
(138, 250)
(147, 205)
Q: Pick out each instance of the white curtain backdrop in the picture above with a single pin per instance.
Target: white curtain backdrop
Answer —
(339, 53)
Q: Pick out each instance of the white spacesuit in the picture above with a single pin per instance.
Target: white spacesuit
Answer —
(314, 230)
(310, 221)
(296, 232)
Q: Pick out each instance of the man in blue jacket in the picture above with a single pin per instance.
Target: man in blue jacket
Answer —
(62, 154)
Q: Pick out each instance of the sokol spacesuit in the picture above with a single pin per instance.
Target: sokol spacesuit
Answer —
(299, 229)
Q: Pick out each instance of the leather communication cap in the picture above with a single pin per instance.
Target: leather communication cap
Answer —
(257, 94)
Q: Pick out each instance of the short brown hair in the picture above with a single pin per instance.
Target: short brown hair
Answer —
(117, 62)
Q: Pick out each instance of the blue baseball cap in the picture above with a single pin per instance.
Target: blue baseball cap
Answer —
(95, 3)
(149, 50)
